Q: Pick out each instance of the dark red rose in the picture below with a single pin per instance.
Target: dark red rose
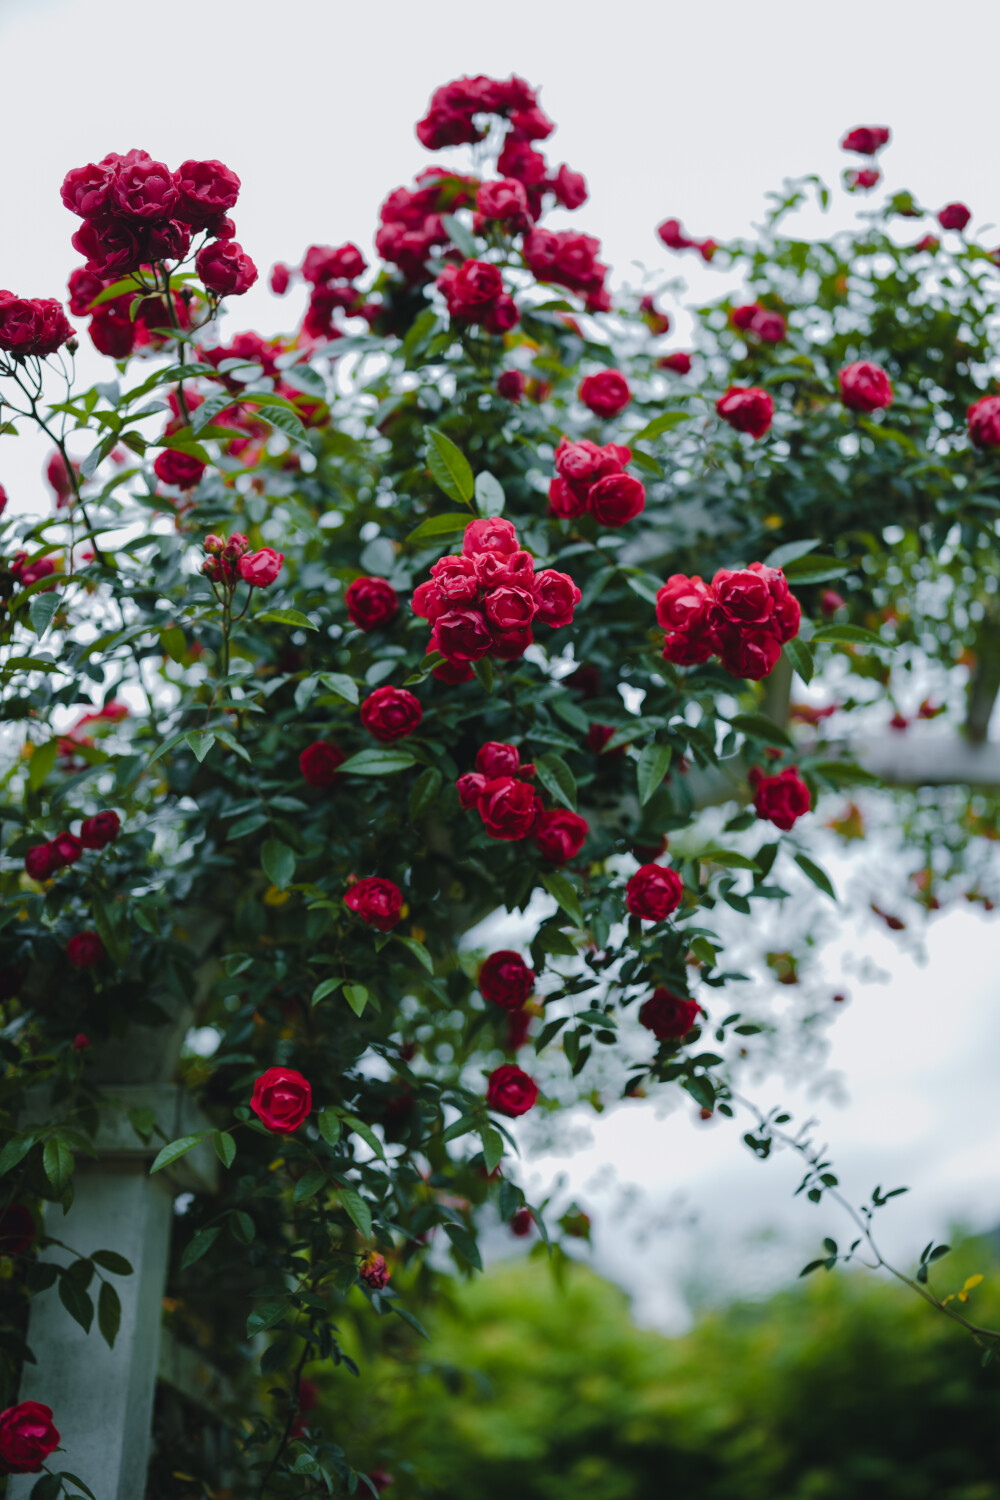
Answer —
(653, 892)
(928, 242)
(370, 602)
(569, 187)
(508, 608)
(497, 759)
(101, 830)
(373, 1271)
(32, 325)
(954, 216)
(566, 501)
(509, 645)
(84, 286)
(510, 1091)
(509, 808)
(41, 862)
(319, 761)
(144, 190)
(984, 422)
(781, 799)
(561, 835)
(207, 189)
(493, 534)
(689, 648)
(742, 317)
(568, 258)
(506, 980)
(865, 179)
(391, 713)
(751, 652)
(518, 1026)
(505, 199)
(864, 386)
(225, 268)
(85, 950)
(452, 672)
(769, 327)
(282, 1099)
(598, 736)
(522, 1223)
(280, 279)
(470, 788)
(865, 139)
(741, 597)
(17, 1230)
(462, 635)
(471, 288)
(66, 848)
(260, 569)
(678, 362)
(81, 1042)
(616, 500)
(456, 579)
(113, 333)
(27, 1437)
(182, 470)
(747, 409)
(377, 902)
(606, 393)
(110, 244)
(511, 385)
(326, 263)
(85, 190)
(502, 316)
(668, 1016)
(682, 602)
(494, 568)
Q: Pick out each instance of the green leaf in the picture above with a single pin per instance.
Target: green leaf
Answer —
(663, 423)
(14, 1152)
(110, 1260)
(277, 862)
(265, 1316)
(465, 1244)
(109, 1313)
(425, 792)
(309, 1185)
(654, 762)
(492, 1147)
(357, 998)
(57, 1159)
(449, 467)
(460, 237)
(414, 1323)
(49, 1487)
(366, 1133)
(789, 552)
(759, 727)
(417, 949)
(490, 498)
(562, 889)
(41, 763)
(79, 1484)
(801, 658)
(357, 1211)
(199, 1245)
(41, 609)
(329, 1126)
(76, 1302)
(345, 687)
(174, 1150)
(286, 617)
(730, 858)
(483, 669)
(200, 742)
(439, 526)
(225, 1147)
(817, 875)
(327, 987)
(376, 763)
(850, 635)
(557, 779)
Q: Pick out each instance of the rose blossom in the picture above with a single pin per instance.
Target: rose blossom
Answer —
(746, 409)
(607, 393)
(281, 1099)
(561, 835)
(225, 268)
(781, 799)
(391, 713)
(865, 139)
(509, 608)
(616, 500)
(462, 635)
(373, 1271)
(511, 385)
(377, 902)
(27, 1437)
(679, 363)
(668, 1016)
(470, 788)
(681, 602)
(319, 761)
(509, 808)
(954, 216)
(99, 831)
(41, 862)
(207, 188)
(864, 386)
(260, 569)
(370, 602)
(741, 597)
(66, 848)
(653, 892)
(85, 950)
(182, 470)
(506, 199)
(492, 534)
(506, 980)
(510, 1091)
(748, 652)
(984, 422)
(498, 759)
(556, 596)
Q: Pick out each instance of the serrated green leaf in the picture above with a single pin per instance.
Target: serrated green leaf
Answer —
(562, 889)
(357, 1211)
(436, 526)
(817, 875)
(557, 778)
(174, 1150)
(654, 762)
(376, 763)
(329, 1126)
(277, 862)
(225, 1147)
(286, 617)
(345, 687)
(449, 467)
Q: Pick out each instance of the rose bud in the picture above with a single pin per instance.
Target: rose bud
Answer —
(954, 216)
(213, 544)
(668, 1016)
(319, 761)
(373, 1271)
(678, 362)
(781, 799)
(279, 279)
(41, 862)
(281, 1099)
(181, 470)
(511, 385)
(509, 808)
(377, 902)
(561, 835)
(865, 139)
(865, 179)
(522, 1223)
(85, 950)
(492, 534)
(606, 394)
(496, 759)
(18, 1230)
(864, 386)
(470, 789)
(391, 713)
(66, 848)
(370, 602)
(81, 1042)
(616, 499)
(27, 1437)
(653, 892)
(99, 831)
(510, 1091)
(506, 980)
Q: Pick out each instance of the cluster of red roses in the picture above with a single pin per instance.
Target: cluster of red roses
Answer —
(781, 799)
(113, 330)
(32, 325)
(229, 561)
(330, 271)
(591, 478)
(411, 227)
(863, 386)
(744, 617)
(500, 790)
(762, 322)
(475, 293)
(486, 599)
(43, 860)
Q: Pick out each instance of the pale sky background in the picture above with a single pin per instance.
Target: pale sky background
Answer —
(687, 109)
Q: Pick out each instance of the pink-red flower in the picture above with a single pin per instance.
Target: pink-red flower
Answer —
(653, 892)
(319, 763)
(27, 1437)
(506, 980)
(864, 386)
(282, 1099)
(261, 569)
(747, 409)
(377, 902)
(781, 799)
(370, 602)
(668, 1016)
(391, 713)
(510, 1091)
(607, 393)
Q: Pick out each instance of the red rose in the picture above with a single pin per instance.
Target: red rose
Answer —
(682, 602)
(569, 187)
(616, 500)
(81, 1042)
(509, 608)
(66, 849)
(751, 653)
(85, 190)
(471, 288)
(653, 892)
(225, 268)
(319, 761)
(509, 808)
(511, 385)
(689, 648)
(509, 645)
(391, 714)
(85, 950)
(206, 188)
(506, 980)
(561, 835)
(144, 190)
(864, 386)
(370, 602)
(494, 568)
(281, 1099)
(565, 500)
(452, 672)
(781, 799)
(984, 422)
(954, 216)
(260, 569)
(770, 327)
(456, 578)
(27, 1437)
(280, 278)
(493, 534)
(746, 409)
(502, 316)
(41, 862)
(522, 1222)
(17, 1230)
(373, 1271)
(377, 902)
(179, 469)
(505, 199)
(113, 333)
(668, 1016)
(866, 179)
(742, 317)
(101, 830)
(742, 597)
(470, 788)
(324, 263)
(462, 635)
(672, 234)
(510, 1091)
(606, 394)
(865, 139)
(32, 325)
(679, 363)
(518, 1026)
(497, 759)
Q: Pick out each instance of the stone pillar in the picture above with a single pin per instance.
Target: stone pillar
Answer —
(101, 1398)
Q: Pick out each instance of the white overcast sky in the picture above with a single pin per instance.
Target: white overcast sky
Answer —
(688, 109)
